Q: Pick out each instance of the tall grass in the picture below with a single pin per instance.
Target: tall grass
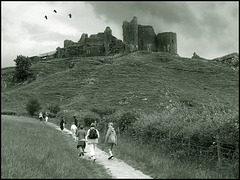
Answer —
(32, 149)
(154, 161)
(146, 146)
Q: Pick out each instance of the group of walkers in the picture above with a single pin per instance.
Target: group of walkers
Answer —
(91, 137)
(41, 116)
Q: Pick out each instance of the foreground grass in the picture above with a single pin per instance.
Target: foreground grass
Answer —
(31, 149)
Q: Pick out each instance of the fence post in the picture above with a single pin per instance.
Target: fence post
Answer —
(118, 132)
(169, 138)
(189, 146)
(218, 150)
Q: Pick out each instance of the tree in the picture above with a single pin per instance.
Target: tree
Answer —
(22, 68)
(33, 106)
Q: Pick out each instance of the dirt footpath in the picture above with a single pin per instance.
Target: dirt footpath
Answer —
(116, 167)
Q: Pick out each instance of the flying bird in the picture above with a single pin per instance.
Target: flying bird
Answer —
(70, 15)
(54, 11)
(45, 17)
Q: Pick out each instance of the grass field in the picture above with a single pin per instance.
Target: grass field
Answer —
(32, 149)
(123, 82)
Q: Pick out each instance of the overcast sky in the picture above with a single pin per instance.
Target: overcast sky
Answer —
(211, 29)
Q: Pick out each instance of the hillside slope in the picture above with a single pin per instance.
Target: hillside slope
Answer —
(140, 80)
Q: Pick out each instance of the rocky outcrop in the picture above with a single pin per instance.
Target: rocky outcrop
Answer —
(230, 59)
(195, 56)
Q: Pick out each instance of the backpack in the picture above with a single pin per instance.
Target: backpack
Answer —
(93, 134)
(112, 137)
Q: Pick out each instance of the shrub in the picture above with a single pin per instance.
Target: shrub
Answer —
(35, 59)
(54, 109)
(126, 120)
(33, 106)
(102, 111)
(8, 113)
(90, 118)
(51, 115)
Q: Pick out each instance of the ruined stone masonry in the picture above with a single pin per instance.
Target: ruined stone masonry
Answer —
(135, 37)
(143, 37)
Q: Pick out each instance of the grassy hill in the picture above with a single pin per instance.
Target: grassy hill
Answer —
(175, 98)
(140, 80)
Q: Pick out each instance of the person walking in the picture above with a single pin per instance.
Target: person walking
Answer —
(75, 120)
(110, 139)
(46, 117)
(40, 116)
(92, 137)
(74, 131)
(81, 140)
(62, 123)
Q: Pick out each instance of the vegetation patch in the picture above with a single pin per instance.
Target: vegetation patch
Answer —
(39, 151)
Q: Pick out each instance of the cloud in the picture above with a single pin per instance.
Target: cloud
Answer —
(168, 13)
(208, 27)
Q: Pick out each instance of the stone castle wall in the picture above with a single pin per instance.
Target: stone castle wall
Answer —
(135, 37)
(130, 35)
(107, 39)
(144, 38)
(103, 43)
(167, 42)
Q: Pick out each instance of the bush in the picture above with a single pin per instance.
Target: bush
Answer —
(126, 120)
(90, 118)
(54, 109)
(8, 113)
(51, 115)
(33, 106)
(103, 111)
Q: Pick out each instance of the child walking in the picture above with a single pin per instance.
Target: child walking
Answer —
(74, 131)
(81, 140)
(92, 138)
(46, 117)
(110, 139)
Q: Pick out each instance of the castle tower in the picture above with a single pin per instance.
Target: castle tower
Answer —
(107, 39)
(167, 42)
(130, 34)
(146, 38)
(83, 39)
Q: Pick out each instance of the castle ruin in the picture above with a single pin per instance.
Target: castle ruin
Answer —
(135, 37)
(142, 37)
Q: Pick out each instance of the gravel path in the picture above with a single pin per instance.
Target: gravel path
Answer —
(116, 167)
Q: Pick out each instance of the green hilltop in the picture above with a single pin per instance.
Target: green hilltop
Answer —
(147, 81)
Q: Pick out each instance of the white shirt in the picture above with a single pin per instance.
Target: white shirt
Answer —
(74, 128)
